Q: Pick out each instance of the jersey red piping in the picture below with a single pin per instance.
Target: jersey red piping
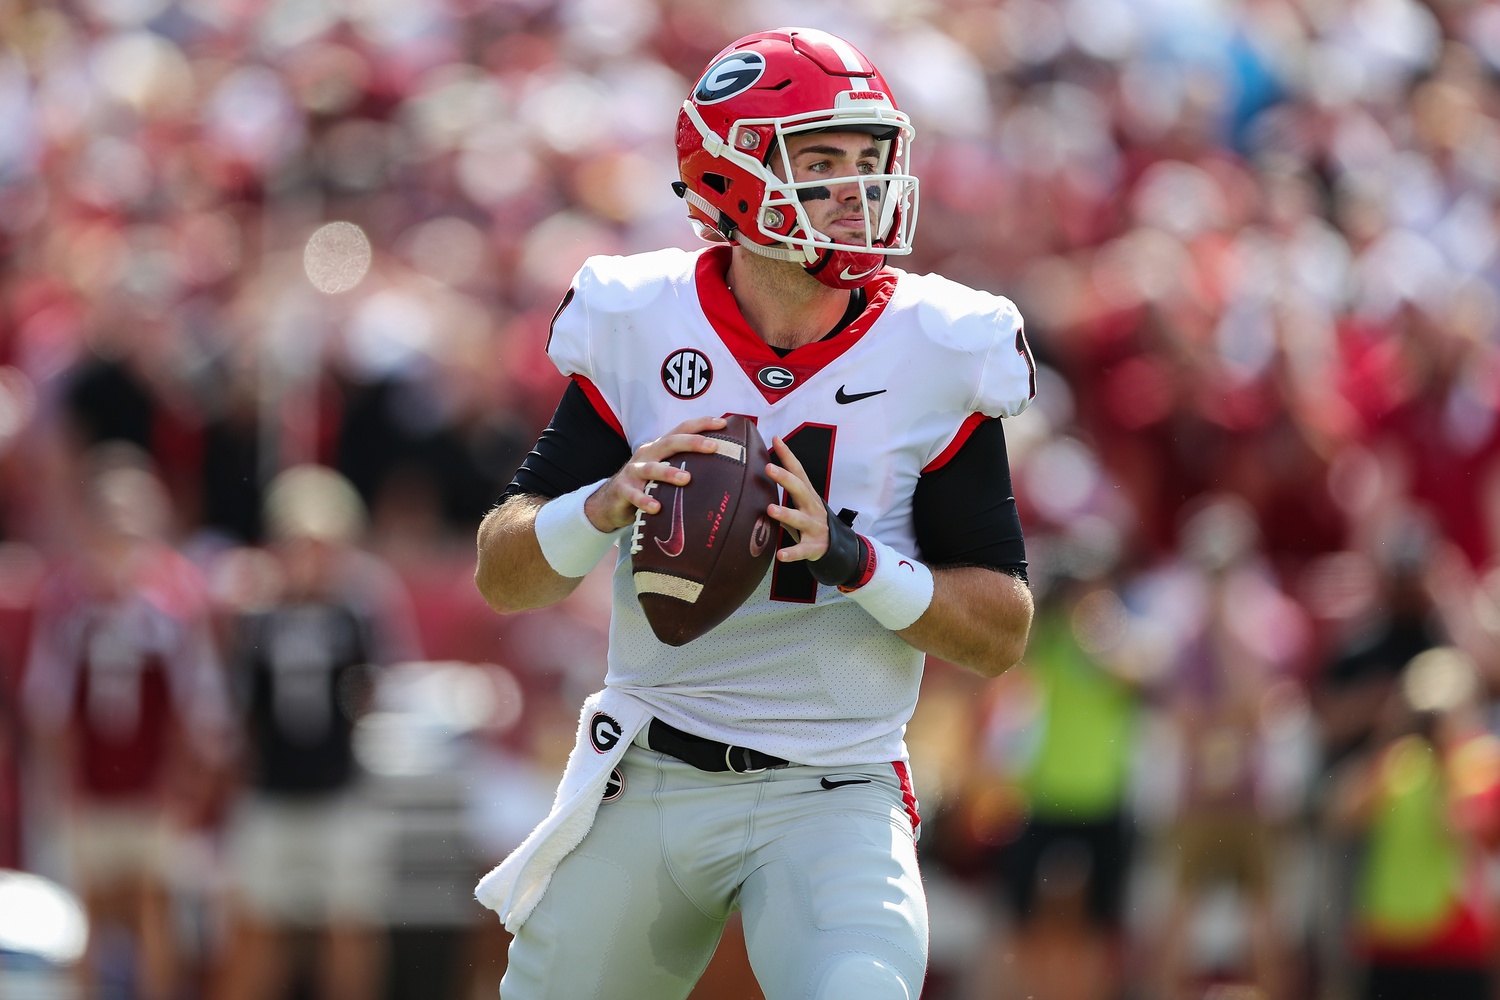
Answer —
(908, 795)
(965, 430)
(753, 353)
(600, 406)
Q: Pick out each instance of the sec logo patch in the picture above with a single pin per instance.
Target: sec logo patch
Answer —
(604, 732)
(687, 374)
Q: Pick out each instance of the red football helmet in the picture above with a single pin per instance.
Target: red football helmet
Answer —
(736, 173)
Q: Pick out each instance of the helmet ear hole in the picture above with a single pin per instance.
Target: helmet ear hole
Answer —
(718, 182)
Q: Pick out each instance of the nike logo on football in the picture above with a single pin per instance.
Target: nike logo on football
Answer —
(673, 544)
(830, 783)
(843, 397)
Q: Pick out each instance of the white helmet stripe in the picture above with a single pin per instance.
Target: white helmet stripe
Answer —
(845, 51)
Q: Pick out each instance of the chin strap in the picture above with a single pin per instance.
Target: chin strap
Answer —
(695, 199)
(842, 269)
(831, 267)
(803, 257)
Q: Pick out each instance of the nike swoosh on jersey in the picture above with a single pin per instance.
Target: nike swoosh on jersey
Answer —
(673, 544)
(843, 397)
(830, 783)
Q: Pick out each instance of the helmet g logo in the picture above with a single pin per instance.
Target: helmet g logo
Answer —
(734, 74)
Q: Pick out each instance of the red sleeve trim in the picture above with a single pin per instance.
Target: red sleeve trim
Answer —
(965, 429)
(596, 399)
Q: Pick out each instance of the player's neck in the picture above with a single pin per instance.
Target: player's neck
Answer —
(782, 303)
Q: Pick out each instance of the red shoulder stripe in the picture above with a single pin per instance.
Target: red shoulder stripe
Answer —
(971, 422)
(600, 406)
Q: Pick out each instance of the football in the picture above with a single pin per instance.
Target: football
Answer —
(705, 551)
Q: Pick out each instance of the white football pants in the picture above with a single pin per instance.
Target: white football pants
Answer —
(825, 878)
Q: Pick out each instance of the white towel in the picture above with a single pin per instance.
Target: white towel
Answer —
(608, 723)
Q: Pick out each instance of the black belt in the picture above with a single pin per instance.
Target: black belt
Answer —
(708, 755)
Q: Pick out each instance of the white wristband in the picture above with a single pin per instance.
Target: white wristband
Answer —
(899, 591)
(569, 540)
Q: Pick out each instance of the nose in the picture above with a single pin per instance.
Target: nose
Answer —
(846, 191)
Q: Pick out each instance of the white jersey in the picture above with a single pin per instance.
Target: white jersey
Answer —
(800, 670)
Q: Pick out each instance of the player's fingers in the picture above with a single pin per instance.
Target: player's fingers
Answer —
(796, 520)
(631, 489)
(798, 489)
(641, 498)
(792, 477)
(619, 499)
(675, 444)
(666, 471)
(809, 533)
(623, 495)
(700, 425)
(801, 550)
(686, 436)
(788, 459)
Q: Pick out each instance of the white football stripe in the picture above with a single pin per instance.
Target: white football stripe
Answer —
(730, 450)
(647, 582)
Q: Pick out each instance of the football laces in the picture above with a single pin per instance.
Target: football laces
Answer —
(638, 526)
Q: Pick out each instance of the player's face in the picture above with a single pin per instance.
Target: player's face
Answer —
(838, 209)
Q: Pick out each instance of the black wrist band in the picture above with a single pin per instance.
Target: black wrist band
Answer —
(844, 561)
(866, 567)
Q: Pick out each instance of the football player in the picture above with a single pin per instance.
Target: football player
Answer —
(761, 768)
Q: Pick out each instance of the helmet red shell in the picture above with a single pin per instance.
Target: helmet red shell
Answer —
(753, 94)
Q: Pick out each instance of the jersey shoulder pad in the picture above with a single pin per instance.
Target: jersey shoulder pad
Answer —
(610, 285)
(623, 284)
(955, 315)
(985, 328)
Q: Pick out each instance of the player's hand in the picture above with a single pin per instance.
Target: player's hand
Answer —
(613, 505)
(836, 555)
(807, 519)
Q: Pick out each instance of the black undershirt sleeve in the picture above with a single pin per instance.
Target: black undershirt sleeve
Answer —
(576, 449)
(965, 511)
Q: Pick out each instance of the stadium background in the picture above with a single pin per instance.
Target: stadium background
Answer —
(1258, 249)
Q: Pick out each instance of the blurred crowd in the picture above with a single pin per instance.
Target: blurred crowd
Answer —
(275, 290)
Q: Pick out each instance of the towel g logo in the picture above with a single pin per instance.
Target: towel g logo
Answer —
(604, 732)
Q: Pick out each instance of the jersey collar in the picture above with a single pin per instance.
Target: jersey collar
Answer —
(752, 353)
